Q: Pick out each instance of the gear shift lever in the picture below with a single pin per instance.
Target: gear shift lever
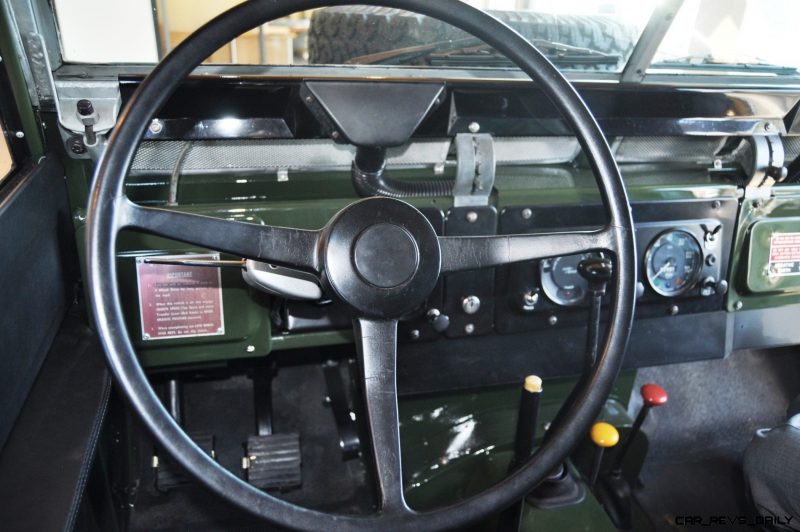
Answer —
(653, 395)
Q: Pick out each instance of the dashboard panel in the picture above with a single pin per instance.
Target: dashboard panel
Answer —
(677, 149)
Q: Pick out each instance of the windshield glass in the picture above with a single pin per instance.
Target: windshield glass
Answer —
(574, 34)
(740, 37)
(718, 36)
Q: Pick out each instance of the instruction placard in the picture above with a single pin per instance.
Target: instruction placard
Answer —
(179, 301)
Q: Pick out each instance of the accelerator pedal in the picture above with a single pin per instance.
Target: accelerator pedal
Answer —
(273, 461)
(169, 475)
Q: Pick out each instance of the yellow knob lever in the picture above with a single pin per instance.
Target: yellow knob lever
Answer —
(604, 434)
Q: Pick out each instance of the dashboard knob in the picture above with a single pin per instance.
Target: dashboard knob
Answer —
(597, 271)
(439, 321)
(529, 299)
(471, 304)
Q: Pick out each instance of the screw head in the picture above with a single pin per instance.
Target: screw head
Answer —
(472, 217)
(469, 328)
(527, 214)
(414, 334)
(19, 134)
(77, 146)
(251, 348)
(716, 204)
(768, 127)
(155, 126)
(552, 320)
(738, 305)
(474, 127)
(673, 310)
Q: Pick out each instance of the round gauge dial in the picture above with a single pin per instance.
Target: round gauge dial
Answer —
(673, 263)
(561, 282)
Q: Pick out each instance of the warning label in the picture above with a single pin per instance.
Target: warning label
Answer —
(784, 254)
(178, 301)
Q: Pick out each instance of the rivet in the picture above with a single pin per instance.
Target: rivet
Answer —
(469, 328)
(526, 214)
(251, 348)
(552, 320)
(472, 217)
(474, 127)
(415, 334)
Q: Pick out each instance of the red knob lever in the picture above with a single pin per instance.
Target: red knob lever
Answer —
(653, 395)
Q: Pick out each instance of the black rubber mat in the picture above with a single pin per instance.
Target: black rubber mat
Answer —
(225, 408)
(698, 438)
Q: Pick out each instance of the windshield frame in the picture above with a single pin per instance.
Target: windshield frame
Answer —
(29, 15)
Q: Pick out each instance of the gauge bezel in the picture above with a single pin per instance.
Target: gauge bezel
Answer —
(550, 288)
(695, 276)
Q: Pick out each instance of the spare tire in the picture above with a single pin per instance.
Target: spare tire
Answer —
(341, 33)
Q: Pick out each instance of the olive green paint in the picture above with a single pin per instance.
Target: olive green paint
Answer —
(11, 52)
(751, 287)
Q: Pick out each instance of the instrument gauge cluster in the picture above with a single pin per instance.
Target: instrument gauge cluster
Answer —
(673, 263)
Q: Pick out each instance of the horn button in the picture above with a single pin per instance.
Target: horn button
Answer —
(386, 255)
(381, 257)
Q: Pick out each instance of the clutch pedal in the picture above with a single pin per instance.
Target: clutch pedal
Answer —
(273, 461)
(169, 475)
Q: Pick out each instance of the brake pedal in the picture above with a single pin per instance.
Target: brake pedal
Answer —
(169, 475)
(273, 461)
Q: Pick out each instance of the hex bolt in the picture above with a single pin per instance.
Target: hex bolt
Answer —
(472, 217)
(474, 127)
(85, 107)
(469, 328)
(527, 214)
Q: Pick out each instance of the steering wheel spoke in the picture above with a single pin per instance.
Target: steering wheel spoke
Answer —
(474, 252)
(376, 342)
(293, 248)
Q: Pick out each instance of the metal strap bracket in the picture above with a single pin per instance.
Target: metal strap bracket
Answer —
(475, 169)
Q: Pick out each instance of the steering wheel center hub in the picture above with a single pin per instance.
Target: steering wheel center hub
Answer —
(386, 255)
(381, 257)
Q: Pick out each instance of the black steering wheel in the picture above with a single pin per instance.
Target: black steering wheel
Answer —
(347, 256)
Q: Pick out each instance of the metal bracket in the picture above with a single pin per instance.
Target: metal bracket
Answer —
(475, 169)
(768, 165)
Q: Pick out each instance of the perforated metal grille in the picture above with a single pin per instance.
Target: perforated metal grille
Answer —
(664, 149)
(322, 154)
(791, 148)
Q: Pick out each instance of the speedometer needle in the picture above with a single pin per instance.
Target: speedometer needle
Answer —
(663, 269)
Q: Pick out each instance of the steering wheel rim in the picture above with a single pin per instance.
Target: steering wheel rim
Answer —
(110, 212)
